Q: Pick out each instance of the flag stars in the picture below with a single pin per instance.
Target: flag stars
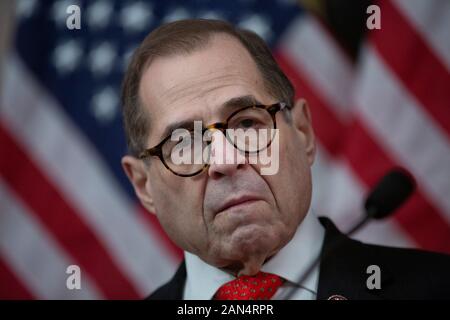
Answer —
(126, 57)
(209, 14)
(26, 8)
(258, 24)
(104, 105)
(101, 59)
(99, 14)
(59, 11)
(178, 13)
(136, 16)
(66, 56)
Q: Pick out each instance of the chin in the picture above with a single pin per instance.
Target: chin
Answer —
(254, 240)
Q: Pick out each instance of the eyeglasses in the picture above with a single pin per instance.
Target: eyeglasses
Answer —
(255, 117)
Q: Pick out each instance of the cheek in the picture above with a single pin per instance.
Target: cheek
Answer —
(292, 185)
(180, 212)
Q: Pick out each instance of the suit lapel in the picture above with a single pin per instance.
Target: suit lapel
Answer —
(343, 272)
(172, 290)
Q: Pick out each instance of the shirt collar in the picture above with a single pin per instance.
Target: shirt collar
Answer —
(297, 255)
(290, 263)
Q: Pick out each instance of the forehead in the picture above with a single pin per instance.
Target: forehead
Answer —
(194, 85)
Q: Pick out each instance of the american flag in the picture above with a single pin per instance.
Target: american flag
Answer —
(64, 199)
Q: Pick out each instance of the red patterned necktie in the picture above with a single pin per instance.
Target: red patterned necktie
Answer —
(262, 286)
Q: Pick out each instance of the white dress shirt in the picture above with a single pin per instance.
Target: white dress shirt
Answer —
(290, 263)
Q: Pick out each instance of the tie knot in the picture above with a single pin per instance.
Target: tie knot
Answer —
(261, 286)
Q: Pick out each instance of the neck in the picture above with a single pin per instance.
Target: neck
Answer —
(238, 268)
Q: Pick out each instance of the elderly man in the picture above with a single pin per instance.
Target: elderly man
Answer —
(246, 235)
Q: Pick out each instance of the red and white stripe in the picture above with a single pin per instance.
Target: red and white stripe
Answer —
(57, 173)
(430, 19)
(323, 74)
(405, 128)
(30, 252)
(415, 63)
(370, 117)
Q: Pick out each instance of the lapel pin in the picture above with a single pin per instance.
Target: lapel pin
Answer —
(337, 297)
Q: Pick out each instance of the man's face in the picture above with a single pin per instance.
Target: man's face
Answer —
(195, 211)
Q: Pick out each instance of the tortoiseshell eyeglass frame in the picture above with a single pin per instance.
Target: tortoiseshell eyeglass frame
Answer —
(156, 151)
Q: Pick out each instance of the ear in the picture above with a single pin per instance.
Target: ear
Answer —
(137, 173)
(302, 121)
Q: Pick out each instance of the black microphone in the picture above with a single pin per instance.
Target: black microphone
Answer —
(390, 192)
(387, 195)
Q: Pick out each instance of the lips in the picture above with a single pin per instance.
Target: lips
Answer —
(237, 201)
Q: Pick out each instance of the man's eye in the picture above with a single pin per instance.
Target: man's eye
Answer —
(246, 123)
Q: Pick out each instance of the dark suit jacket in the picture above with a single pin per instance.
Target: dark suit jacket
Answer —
(405, 273)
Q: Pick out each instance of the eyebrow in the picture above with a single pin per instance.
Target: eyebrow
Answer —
(231, 104)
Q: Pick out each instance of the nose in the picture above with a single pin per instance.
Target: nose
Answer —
(225, 158)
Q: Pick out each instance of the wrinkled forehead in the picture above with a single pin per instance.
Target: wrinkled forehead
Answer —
(196, 84)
